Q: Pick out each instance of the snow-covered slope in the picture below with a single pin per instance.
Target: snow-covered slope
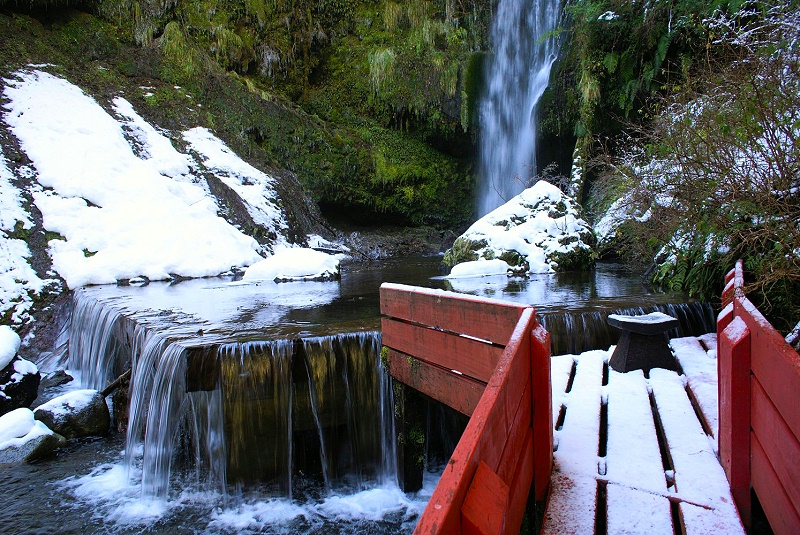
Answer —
(123, 199)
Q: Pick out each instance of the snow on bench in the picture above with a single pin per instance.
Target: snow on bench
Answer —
(631, 455)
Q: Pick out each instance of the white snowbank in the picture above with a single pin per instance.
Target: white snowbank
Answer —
(18, 280)
(71, 402)
(538, 224)
(479, 268)
(120, 215)
(294, 264)
(18, 427)
(9, 345)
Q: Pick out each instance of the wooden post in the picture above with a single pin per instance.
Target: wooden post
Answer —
(733, 361)
(409, 422)
(542, 412)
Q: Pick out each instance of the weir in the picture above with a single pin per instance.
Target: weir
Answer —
(246, 414)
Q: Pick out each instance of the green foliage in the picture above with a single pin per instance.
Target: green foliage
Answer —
(463, 250)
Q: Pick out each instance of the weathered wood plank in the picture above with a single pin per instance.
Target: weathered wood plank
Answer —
(487, 319)
(486, 505)
(632, 511)
(456, 391)
(571, 507)
(519, 429)
(701, 372)
(699, 478)
(465, 355)
(780, 446)
(784, 519)
(633, 458)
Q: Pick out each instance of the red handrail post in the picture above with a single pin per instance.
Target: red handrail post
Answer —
(542, 404)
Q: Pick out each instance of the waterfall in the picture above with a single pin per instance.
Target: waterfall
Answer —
(524, 49)
(576, 332)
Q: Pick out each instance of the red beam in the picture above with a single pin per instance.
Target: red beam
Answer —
(456, 391)
(468, 356)
(487, 319)
(782, 515)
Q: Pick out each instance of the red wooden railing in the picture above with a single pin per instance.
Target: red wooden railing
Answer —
(490, 360)
(759, 410)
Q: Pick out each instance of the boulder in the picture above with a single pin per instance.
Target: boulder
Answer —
(19, 384)
(22, 438)
(538, 231)
(57, 378)
(79, 413)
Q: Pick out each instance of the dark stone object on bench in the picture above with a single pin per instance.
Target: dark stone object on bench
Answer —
(643, 343)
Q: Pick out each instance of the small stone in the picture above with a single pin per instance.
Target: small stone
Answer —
(57, 378)
(19, 385)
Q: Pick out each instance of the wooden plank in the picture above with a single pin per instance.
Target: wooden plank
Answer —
(561, 367)
(486, 504)
(633, 458)
(487, 319)
(701, 374)
(733, 361)
(781, 513)
(520, 427)
(632, 511)
(573, 486)
(702, 520)
(468, 356)
(780, 446)
(456, 391)
(699, 478)
(520, 486)
(442, 515)
(776, 365)
(542, 400)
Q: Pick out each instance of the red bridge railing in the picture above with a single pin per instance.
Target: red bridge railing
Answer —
(759, 409)
(491, 361)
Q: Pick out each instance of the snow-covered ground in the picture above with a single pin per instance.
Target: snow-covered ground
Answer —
(124, 200)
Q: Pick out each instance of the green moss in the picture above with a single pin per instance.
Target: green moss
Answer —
(463, 250)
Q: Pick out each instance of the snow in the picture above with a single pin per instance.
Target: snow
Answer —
(479, 268)
(639, 489)
(294, 264)
(70, 402)
(18, 280)
(18, 427)
(9, 345)
(652, 318)
(538, 223)
(120, 216)
(253, 186)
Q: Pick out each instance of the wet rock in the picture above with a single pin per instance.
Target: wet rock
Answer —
(80, 413)
(22, 438)
(19, 384)
(57, 378)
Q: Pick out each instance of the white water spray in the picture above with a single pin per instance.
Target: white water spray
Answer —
(524, 49)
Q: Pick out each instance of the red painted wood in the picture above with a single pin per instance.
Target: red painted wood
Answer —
(516, 437)
(780, 446)
(734, 412)
(456, 391)
(466, 355)
(487, 426)
(775, 364)
(520, 486)
(486, 504)
(488, 319)
(542, 401)
(783, 516)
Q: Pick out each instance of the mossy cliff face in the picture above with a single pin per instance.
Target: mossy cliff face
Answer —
(370, 103)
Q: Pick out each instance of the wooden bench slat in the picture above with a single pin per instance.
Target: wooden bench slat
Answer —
(456, 391)
(486, 505)
(470, 357)
(633, 511)
(519, 486)
(487, 319)
(633, 458)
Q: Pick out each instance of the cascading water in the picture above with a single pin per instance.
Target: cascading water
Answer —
(524, 49)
